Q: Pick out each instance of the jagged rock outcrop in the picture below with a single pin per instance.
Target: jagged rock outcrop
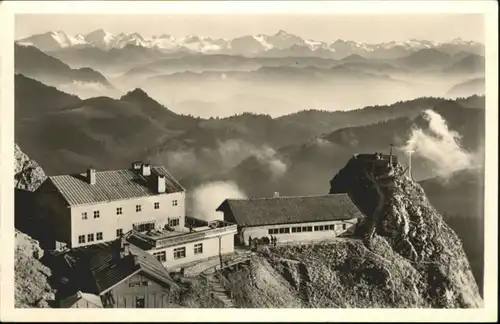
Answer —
(32, 288)
(28, 175)
(28, 246)
(459, 198)
(403, 255)
(413, 229)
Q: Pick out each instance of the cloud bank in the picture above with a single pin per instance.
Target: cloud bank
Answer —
(226, 155)
(207, 197)
(440, 146)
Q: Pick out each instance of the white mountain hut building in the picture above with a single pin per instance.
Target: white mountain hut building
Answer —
(145, 205)
(96, 207)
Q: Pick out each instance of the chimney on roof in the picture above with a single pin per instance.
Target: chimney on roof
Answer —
(146, 169)
(136, 166)
(91, 176)
(276, 195)
(161, 184)
(136, 260)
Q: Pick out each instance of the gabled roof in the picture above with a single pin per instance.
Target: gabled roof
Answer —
(151, 266)
(112, 186)
(284, 210)
(109, 268)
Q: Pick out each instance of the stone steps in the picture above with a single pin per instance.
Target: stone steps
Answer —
(219, 292)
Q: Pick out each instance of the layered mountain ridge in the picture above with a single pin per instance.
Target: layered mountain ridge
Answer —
(83, 81)
(280, 43)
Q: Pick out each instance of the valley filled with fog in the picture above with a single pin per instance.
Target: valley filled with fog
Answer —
(267, 74)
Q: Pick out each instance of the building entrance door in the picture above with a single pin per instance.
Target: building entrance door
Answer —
(140, 302)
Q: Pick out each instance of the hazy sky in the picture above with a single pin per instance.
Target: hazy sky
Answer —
(370, 28)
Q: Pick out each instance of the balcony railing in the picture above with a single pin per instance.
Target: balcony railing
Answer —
(169, 241)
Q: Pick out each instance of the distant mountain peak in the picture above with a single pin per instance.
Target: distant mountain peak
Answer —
(354, 57)
(58, 32)
(281, 32)
(428, 52)
(141, 98)
(457, 39)
(137, 93)
(99, 31)
(282, 43)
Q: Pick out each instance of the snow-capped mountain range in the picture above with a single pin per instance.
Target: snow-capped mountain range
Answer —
(279, 43)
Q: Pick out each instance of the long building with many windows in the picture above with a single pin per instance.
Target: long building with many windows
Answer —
(95, 207)
(292, 219)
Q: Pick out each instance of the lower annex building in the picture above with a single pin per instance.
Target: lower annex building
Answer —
(292, 219)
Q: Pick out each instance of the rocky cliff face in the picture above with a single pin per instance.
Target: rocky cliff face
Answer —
(28, 175)
(400, 217)
(32, 287)
(403, 256)
(340, 274)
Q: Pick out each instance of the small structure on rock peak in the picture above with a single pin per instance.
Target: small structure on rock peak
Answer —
(379, 160)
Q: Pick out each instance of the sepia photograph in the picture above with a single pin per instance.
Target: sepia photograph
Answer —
(250, 160)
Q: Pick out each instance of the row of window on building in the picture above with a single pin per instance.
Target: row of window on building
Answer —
(98, 236)
(90, 237)
(119, 210)
(300, 229)
(179, 253)
(119, 232)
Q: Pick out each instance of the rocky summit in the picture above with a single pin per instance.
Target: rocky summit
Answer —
(401, 221)
(403, 256)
